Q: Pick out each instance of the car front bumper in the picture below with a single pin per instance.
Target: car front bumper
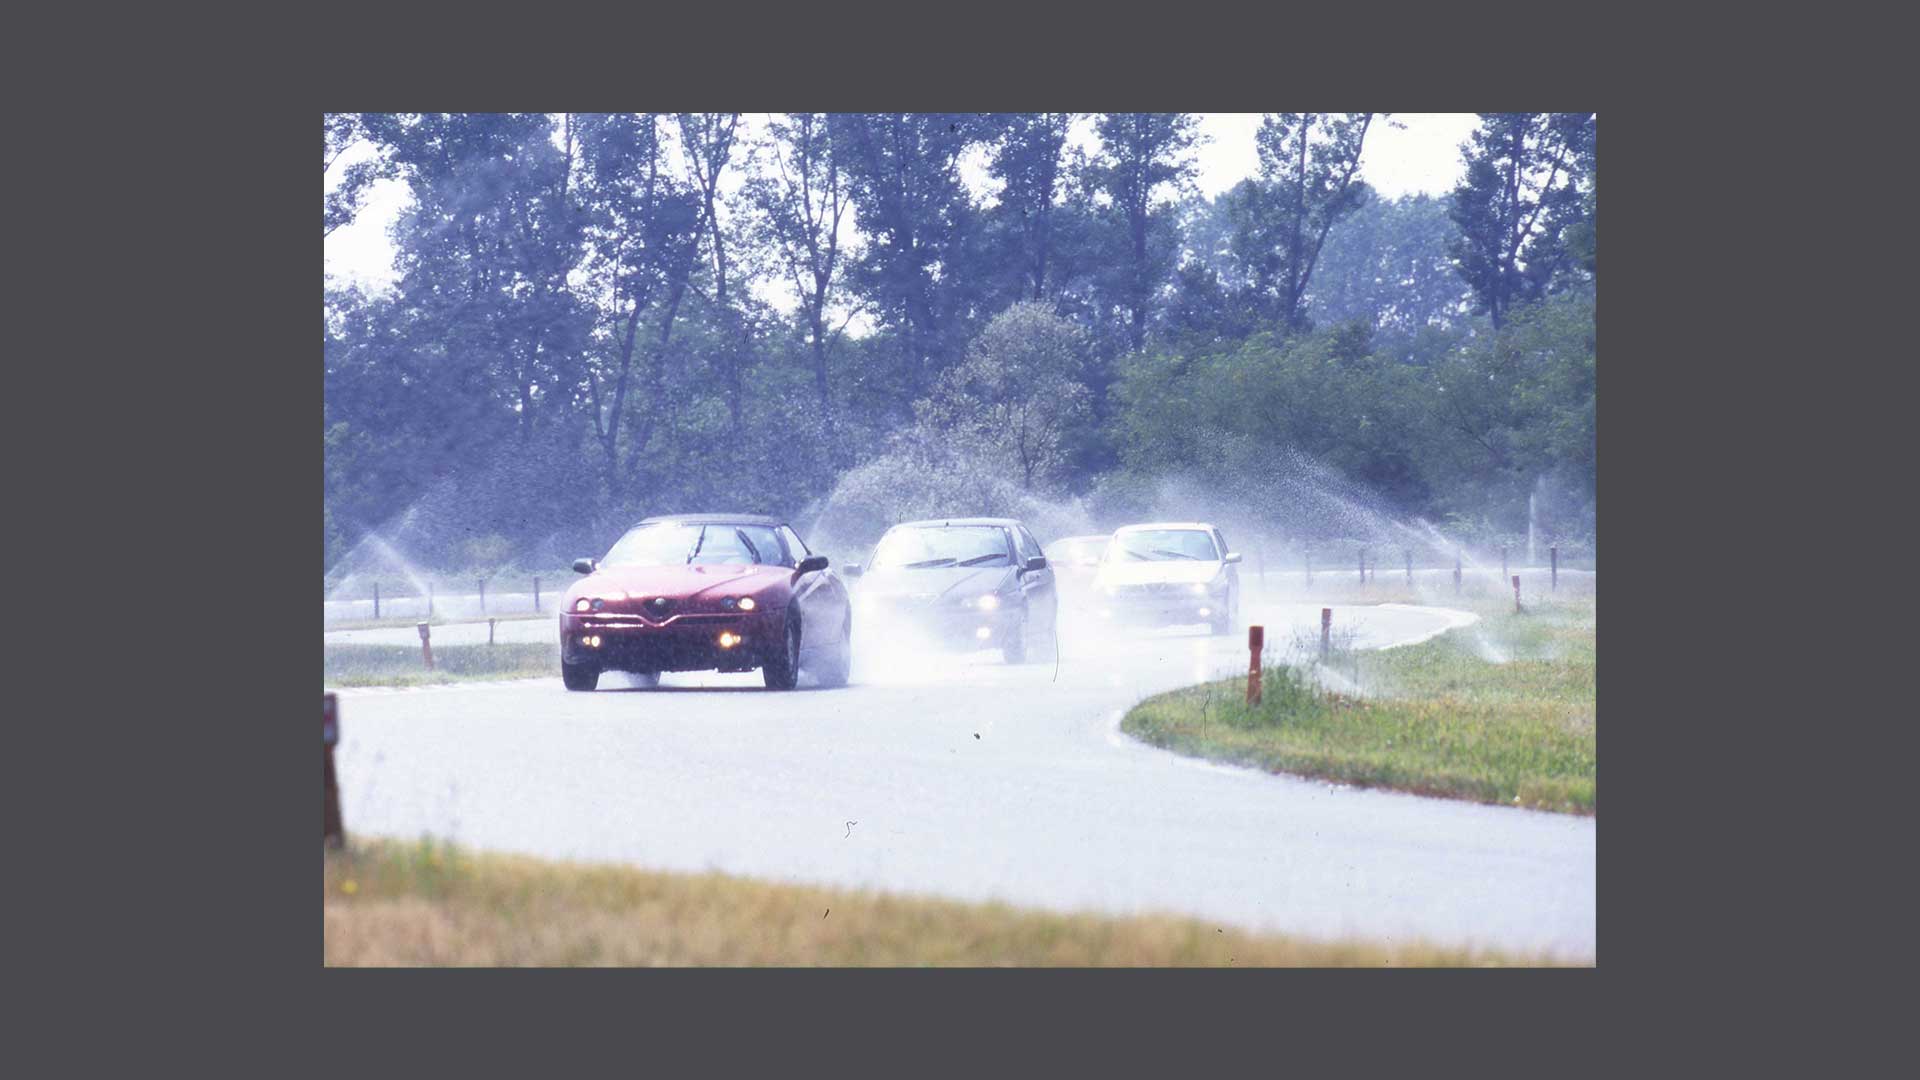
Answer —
(1165, 607)
(951, 628)
(691, 642)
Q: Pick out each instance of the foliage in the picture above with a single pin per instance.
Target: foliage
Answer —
(600, 316)
(1520, 195)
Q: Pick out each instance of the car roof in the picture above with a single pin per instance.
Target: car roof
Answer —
(711, 519)
(1198, 525)
(1009, 523)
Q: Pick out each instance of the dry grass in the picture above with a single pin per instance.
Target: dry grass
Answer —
(392, 903)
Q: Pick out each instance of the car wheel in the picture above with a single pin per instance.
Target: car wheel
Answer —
(782, 670)
(1223, 622)
(833, 668)
(646, 679)
(579, 676)
(1047, 648)
(1014, 647)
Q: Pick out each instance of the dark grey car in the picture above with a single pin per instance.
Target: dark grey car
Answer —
(961, 583)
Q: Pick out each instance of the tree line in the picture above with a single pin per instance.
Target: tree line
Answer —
(598, 316)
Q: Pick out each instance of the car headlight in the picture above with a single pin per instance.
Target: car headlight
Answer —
(1200, 588)
(988, 602)
(747, 604)
(582, 604)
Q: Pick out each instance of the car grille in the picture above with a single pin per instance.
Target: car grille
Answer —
(1157, 588)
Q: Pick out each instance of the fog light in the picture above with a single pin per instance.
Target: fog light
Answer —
(728, 639)
(747, 604)
(1206, 613)
(983, 633)
(591, 641)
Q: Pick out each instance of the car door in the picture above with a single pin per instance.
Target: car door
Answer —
(824, 605)
(1043, 597)
(1233, 569)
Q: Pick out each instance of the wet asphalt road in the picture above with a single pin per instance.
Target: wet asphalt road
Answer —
(964, 777)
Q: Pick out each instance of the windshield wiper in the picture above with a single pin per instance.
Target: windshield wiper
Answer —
(927, 563)
(983, 558)
(1175, 554)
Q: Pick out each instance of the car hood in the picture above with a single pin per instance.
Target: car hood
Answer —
(1158, 572)
(934, 583)
(680, 582)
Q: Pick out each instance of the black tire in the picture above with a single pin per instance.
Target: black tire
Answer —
(647, 679)
(1047, 649)
(1223, 622)
(1013, 648)
(579, 676)
(836, 665)
(782, 670)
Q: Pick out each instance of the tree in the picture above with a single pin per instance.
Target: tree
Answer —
(1018, 396)
(1520, 194)
(345, 134)
(1308, 162)
(903, 170)
(1390, 265)
(1028, 162)
(645, 227)
(706, 141)
(1143, 159)
(802, 205)
(485, 254)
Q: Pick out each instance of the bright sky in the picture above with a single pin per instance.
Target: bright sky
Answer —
(1408, 153)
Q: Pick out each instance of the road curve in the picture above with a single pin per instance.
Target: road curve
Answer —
(967, 778)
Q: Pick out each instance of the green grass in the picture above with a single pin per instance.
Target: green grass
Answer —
(401, 665)
(1499, 712)
(387, 902)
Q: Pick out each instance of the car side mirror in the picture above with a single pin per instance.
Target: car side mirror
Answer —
(852, 571)
(1233, 556)
(811, 564)
(583, 566)
(1038, 562)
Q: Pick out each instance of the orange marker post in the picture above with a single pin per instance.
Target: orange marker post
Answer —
(1256, 641)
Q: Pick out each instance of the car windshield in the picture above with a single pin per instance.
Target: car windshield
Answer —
(1152, 545)
(926, 547)
(679, 543)
(1085, 551)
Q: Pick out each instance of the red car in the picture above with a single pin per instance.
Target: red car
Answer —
(705, 592)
